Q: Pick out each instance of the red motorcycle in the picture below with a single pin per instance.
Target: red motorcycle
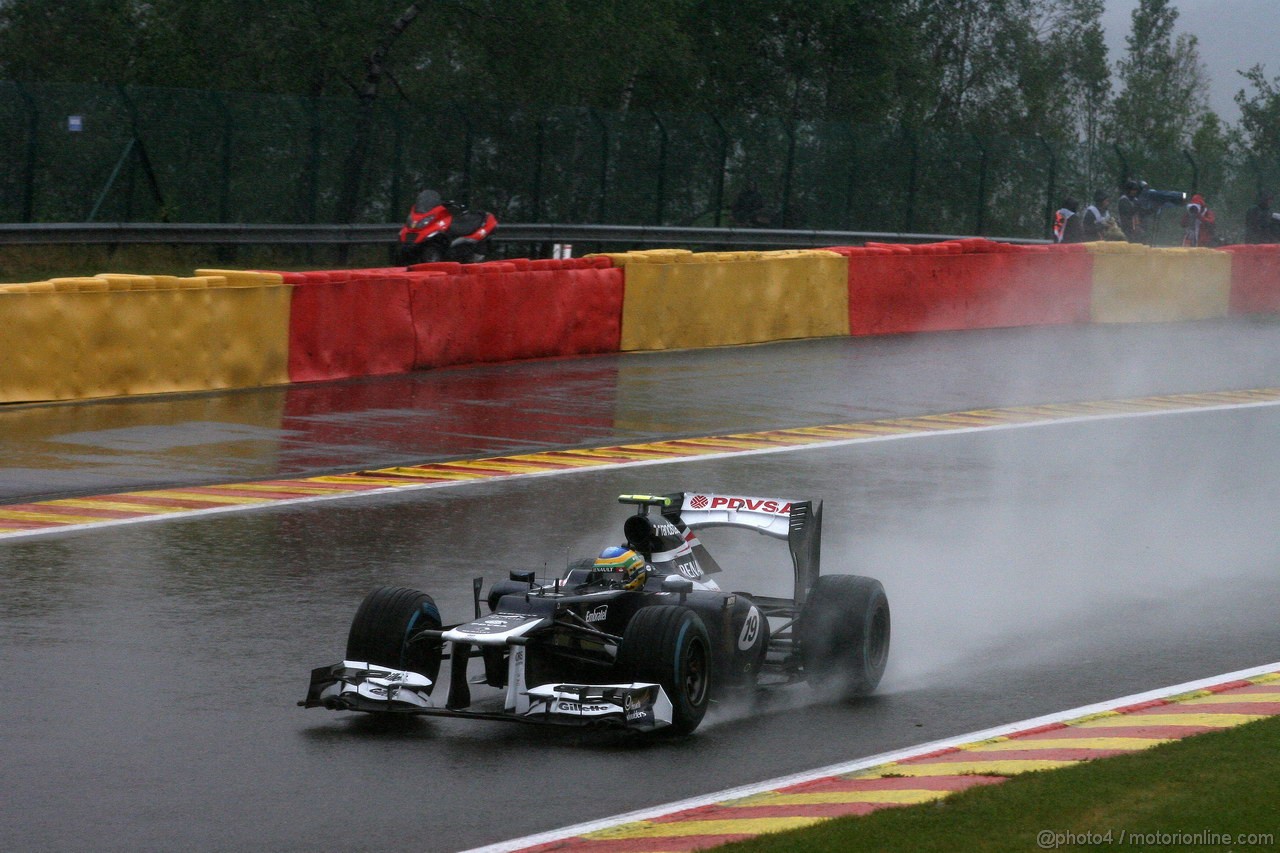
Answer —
(444, 231)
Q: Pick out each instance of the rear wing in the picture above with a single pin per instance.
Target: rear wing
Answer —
(798, 522)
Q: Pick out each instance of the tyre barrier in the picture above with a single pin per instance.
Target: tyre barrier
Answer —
(1255, 272)
(502, 313)
(123, 335)
(1134, 284)
(358, 324)
(678, 300)
(118, 334)
(965, 284)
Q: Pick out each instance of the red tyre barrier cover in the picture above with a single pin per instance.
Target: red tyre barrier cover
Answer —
(1255, 279)
(937, 289)
(437, 266)
(357, 327)
(480, 316)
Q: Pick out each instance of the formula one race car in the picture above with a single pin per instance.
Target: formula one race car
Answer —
(640, 638)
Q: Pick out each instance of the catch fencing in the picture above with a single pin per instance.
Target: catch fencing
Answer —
(80, 153)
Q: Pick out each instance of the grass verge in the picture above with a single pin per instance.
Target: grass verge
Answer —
(1207, 792)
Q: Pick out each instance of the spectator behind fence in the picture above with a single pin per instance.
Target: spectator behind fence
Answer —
(1198, 223)
(1096, 218)
(1129, 213)
(1066, 224)
(1260, 221)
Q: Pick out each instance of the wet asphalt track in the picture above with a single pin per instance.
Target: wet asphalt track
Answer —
(153, 668)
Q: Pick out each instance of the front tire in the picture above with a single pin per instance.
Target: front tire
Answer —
(384, 626)
(407, 254)
(669, 645)
(843, 633)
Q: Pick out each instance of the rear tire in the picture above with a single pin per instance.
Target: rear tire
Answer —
(384, 626)
(843, 633)
(668, 645)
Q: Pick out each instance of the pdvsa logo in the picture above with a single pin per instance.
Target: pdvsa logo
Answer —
(753, 504)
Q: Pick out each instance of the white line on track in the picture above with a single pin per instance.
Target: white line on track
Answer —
(872, 761)
(608, 466)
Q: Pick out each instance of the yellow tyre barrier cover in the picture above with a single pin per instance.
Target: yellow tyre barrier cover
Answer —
(678, 300)
(1137, 284)
(87, 338)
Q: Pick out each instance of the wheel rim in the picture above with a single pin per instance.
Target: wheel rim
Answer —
(695, 673)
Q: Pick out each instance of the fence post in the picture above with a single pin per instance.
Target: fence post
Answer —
(224, 164)
(312, 185)
(724, 164)
(604, 162)
(467, 144)
(662, 166)
(397, 161)
(29, 168)
(980, 223)
(784, 216)
(1053, 177)
(539, 142)
(908, 222)
(851, 178)
(1195, 171)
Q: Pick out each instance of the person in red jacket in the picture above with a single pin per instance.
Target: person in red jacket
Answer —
(1066, 224)
(1198, 223)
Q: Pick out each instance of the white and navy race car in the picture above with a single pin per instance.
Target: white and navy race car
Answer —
(596, 646)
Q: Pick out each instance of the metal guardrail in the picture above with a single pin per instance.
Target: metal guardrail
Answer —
(638, 235)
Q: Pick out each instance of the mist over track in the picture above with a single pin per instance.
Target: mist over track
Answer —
(155, 667)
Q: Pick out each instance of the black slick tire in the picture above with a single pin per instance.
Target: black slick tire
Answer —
(668, 645)
(384, 626)
(843, 633)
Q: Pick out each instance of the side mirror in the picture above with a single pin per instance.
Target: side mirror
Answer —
(523, 577)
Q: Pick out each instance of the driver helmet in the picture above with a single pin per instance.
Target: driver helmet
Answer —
(629, 565)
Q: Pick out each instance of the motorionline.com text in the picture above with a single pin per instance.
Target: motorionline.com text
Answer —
(1048, 839)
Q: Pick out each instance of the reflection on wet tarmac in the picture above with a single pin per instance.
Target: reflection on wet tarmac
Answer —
(154, 669)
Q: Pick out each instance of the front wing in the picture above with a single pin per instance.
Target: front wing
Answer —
(361, 686)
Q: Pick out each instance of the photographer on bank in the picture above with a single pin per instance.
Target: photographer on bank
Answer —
(1140, 207)
(1129, 213)
(1198, 224)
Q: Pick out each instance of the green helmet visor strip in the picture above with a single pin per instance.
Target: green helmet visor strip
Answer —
(628, 564)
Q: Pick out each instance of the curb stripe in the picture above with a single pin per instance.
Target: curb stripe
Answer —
(24, 520)
(922, 774)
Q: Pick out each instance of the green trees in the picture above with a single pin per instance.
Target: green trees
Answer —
(1259, 134)
(1024, 67)
(1163, 96)
(916, 97)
